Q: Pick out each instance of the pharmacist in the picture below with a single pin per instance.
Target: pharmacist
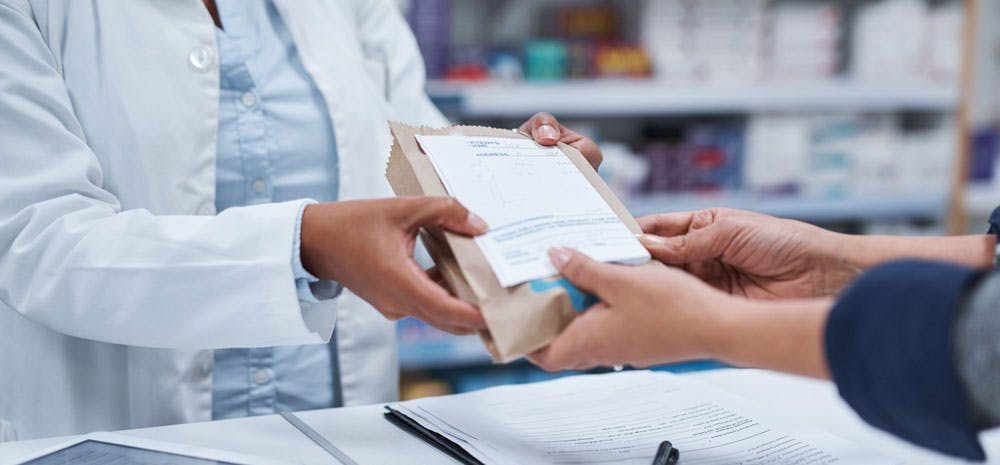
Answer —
(157, 158)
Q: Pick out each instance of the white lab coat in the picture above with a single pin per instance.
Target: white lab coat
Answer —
(116, 275)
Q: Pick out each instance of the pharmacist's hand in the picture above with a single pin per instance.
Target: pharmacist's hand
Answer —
(751, 254)
(646, 316)
(367, 245)
(546, 130)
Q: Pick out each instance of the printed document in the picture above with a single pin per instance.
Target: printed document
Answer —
(621, 418)
(533, 198)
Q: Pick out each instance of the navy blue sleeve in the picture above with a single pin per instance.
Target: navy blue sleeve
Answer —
(889, 348)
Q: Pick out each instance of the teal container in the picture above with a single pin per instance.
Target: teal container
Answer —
(545, 60)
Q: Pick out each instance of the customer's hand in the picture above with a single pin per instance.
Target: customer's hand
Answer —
(646, 316)
(546, 130)
(367, 245)
(656, 315)
(751, 254)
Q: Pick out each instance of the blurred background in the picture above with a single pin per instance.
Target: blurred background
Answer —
(864, 116)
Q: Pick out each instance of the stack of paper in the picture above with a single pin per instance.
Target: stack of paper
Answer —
(621, 418)
(533, 198)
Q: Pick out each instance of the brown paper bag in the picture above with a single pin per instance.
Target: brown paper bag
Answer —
(522, 318)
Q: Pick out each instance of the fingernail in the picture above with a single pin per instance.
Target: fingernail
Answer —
(559, 256)
(652, 240)
(476, 222)
(548, 132)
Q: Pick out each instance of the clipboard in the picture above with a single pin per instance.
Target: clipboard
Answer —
(127, 449)
(439, 441)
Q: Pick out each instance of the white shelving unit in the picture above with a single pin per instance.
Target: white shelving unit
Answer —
(928, 205)
(615, 97)
(651, 98)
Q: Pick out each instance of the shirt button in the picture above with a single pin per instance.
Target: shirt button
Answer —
(202, 58)
(258, 186)
(261, 377)
(248, 99)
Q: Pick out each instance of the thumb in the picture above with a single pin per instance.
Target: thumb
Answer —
(574, 347)
(543, 128)
(694, 246)
(586, 274)
(449, 214)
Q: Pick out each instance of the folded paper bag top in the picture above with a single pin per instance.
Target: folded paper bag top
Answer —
(521, 318)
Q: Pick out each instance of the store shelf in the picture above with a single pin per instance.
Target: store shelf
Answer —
(860, 208)
(650, 97)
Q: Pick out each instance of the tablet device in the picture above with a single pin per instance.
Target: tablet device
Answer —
(118, 449)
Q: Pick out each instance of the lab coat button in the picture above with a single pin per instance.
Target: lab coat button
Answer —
(248, 99)
(261, 377)
(202, 58)
(258, 186)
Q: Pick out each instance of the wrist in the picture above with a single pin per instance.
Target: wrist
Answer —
(848, 250)
(313, 238)
(977, 251)
(785, 335)
(721, 334)
(984, 250)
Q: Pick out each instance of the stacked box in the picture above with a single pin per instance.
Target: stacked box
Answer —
(699, 158)
(802, 41)
(704, 41)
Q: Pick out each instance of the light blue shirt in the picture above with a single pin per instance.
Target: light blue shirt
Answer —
(275, 143)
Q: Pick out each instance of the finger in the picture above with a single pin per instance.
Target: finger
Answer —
(449, 313)
(436, 306)
(572, 349)
(588, 148)
(546, 360)
(435, 274)
(385, 306)
(448, 213)
(695, 246)
(666, 224)
(588, 275)
(585, 145)
(393, 316)
(458, 331)
(547, 130)
(557, 359)
(543, 128)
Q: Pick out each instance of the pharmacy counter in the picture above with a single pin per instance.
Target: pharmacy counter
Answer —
(363, 434)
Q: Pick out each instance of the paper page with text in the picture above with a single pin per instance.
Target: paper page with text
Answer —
(533, 198)
(620, 419)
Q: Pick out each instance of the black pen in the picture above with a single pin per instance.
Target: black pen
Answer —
(666, 454)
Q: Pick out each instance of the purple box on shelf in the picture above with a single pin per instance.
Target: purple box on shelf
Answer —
(698, 158)
(984, 154)
(431, 24)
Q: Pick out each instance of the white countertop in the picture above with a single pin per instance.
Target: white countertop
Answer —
(365, 436)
